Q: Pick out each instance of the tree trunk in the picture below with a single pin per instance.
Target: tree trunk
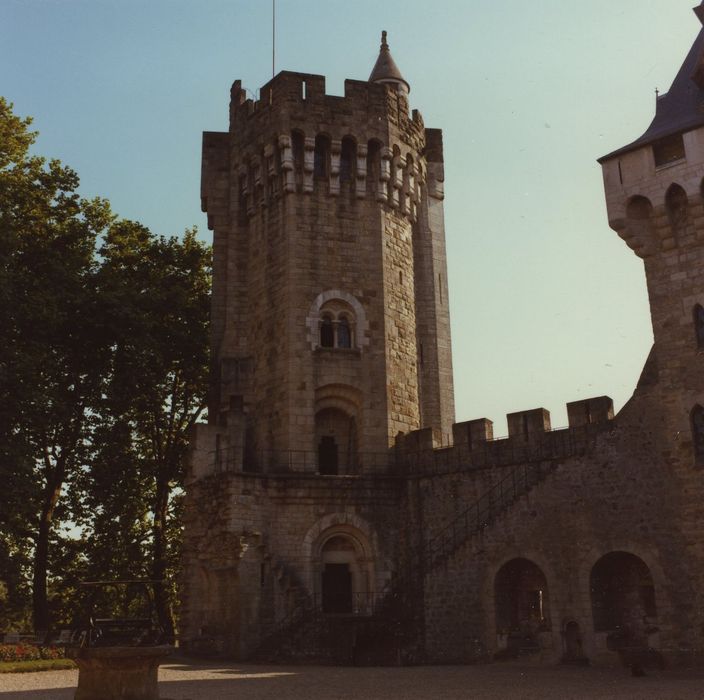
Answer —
(159, 564)
(40, 603)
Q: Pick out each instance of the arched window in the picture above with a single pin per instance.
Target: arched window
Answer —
(336, 325)
(344, 319)
(327, 332)
(699, 325)
(676, 205)
(321, 157)
(348, 157)
(344, 338)
(697, 418)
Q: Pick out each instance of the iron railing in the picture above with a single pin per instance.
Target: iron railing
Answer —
(484, 510)
(298, 461)
(499, 452)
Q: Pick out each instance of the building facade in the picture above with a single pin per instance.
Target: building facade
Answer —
(334, 509)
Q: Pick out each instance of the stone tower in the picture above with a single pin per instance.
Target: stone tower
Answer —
(303, 538)
(330, 338)
(330, 324)
(654, 189)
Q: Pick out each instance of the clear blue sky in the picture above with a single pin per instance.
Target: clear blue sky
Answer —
(547, 304)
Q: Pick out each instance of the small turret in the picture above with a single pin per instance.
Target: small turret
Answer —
(386, 71)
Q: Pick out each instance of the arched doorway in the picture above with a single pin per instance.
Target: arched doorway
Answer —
(345, 575)
(572, 635)
(623, 597)
(336, 441)
(521, 604)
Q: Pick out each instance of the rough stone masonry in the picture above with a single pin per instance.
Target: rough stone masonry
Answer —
(334, 509)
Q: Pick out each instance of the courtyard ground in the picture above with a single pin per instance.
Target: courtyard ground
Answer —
(213, 681)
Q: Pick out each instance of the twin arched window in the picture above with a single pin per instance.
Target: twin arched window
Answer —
(336, 327)
(335, 332)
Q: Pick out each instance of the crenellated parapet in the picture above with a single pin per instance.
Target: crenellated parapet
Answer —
(530, 438)
(295, 139)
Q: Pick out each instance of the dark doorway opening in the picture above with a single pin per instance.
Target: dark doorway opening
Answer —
(623, 595)
(337, 589)
(328, 460)
(574, 653)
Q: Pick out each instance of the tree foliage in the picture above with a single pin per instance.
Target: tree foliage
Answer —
(102, 373)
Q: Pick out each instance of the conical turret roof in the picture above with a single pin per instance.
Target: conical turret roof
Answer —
(385, 69)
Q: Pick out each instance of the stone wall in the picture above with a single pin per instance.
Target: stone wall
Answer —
(252, 548)
(314, 198)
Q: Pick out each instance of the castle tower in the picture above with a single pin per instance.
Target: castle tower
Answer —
(654, 194)
(654, 190)
(330, 336)
(330, 324)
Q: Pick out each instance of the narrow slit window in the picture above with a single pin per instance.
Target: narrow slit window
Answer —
(699, 325)
(697, 417)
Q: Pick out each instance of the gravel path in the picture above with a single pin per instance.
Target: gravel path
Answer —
(186, 681)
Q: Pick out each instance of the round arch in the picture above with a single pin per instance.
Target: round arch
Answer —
(360, 320)
(622, 594)
(339, 557)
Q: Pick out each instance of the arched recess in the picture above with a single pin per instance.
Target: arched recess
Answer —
(622, 596)
(339, 552)
(337, 418)
(521, 597)
(639, 233)
(345, 565)
(677, 208)
(327, 299)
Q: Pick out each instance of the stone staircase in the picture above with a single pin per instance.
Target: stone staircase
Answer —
(390, 634)
(484, 511)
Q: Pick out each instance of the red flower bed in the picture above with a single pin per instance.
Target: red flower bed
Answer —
(29, 652)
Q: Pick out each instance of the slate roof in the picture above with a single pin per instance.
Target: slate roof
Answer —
(681, 109)
(385, 68)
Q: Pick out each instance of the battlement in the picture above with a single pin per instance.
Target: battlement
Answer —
(297, 139)
(295, 92)
(530, 437)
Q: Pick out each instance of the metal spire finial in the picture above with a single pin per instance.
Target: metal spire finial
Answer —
(384, 44)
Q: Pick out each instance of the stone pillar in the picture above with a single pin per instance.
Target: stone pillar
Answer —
(118, 673)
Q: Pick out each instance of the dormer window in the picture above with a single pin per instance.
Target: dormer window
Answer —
(668, 150)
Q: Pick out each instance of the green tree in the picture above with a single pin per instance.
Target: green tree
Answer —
(51, 353)
(103, 364)
(157, 291)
